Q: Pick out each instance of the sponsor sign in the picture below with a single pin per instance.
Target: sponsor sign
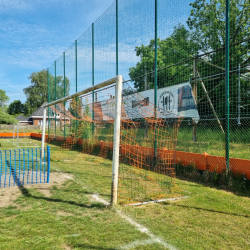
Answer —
(173, 101)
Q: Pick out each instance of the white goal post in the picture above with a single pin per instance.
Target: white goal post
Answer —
(117, 123)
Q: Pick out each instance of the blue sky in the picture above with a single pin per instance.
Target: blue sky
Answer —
(34, 33)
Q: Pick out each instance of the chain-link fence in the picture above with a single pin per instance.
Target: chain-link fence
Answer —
(188, 76)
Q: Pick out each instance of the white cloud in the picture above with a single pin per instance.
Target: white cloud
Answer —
(31, 58)
(10, 5)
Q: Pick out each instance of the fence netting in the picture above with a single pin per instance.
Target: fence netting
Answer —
(148, 139)
(187, 72)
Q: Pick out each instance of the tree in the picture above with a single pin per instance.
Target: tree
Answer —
(205, 34)
(16, 108)
(208, 27)
(172, 50)
(3, 100)
(6, 118)
(207, 21)
(37, 93)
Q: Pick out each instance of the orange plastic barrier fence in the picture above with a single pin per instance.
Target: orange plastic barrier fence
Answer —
(203, 161)
(6, 135)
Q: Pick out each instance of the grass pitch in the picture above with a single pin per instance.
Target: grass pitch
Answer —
(64, 215)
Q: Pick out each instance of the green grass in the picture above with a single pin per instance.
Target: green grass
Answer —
(209, 219)
(7, 144)
(4, 130)
(212, 141)
(69, 219)
(209, 140)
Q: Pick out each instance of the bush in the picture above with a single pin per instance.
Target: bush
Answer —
(6, 118)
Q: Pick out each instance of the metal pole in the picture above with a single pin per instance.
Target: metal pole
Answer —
(227, 84)
(76, 87)
(48, 163)
(155, 81)
(93, 78)
(194, 87)
(43, 130)
(55, 98)
(64, 94)
(117, 37)
(17, 134)
(48, 98)
(116, 143)
(82, 92)
(13, 134)
(239, 97)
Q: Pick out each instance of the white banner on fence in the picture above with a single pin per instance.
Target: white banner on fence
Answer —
(173, 101)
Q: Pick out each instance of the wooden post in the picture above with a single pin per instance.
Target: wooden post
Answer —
(210, 103)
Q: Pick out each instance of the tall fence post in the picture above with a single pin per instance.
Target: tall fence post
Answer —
(64, 94)
(155, 76)
(48, 163)
(239, 96)
(76, 87)
(48, 98)
(227, 84)
(117, 38)
(93, 78)
(55, 99)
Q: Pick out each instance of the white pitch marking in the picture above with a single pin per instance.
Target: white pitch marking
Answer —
(97, 198)
(141, 228)
(138, 243)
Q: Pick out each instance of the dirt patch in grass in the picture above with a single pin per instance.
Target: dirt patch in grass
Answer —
(63, 213)
(66, 247)
(8, 195)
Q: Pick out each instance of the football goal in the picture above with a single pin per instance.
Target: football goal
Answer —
(112, 120)
(19, 139)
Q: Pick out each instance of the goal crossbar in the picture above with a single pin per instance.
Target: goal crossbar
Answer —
(117, 123)
(100, 85)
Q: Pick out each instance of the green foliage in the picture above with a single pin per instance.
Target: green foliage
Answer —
(179, 46)
(3, 99)
(207, 21)
(205, 33)
(81, 126)
(37, 93)
(6, 118)
(16, 107)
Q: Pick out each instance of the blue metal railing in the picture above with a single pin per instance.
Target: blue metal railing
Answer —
(21, 167)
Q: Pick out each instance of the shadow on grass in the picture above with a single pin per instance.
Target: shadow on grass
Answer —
(85, 246)
(221, 187)
(85, 192)
(26, 193)
(209, 210)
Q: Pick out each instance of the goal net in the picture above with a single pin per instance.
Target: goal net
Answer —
(113, 121)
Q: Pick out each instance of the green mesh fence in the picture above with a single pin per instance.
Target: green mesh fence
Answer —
(189, 71)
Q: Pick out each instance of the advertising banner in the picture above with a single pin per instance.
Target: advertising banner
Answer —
(172, 102)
